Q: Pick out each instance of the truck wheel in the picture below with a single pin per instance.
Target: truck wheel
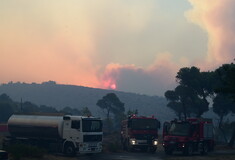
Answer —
(153, 150)
(69, 150)
(204, 149)
(188, 151)
(168, 151)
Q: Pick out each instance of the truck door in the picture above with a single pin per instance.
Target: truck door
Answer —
(72, 130)
(75, 130)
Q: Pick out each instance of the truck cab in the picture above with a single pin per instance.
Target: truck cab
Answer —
(140, 132)
(83, 134)
(191, 135)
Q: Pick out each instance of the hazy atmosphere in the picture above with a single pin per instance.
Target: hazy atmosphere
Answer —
(134, 46)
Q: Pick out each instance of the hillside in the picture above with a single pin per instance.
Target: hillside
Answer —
(59, 96)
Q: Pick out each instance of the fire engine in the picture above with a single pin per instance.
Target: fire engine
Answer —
(139, 132)
(191, 135)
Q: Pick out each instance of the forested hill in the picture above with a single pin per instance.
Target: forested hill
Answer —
(60, 96)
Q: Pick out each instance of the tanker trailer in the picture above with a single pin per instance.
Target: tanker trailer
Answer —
(67, 134)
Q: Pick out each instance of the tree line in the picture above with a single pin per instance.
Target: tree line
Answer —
(110, 104)
(196, 89)
(9, 107)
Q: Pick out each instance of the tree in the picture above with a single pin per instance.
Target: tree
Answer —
(111, 104)
(29, 107)
(174, 103)
(46, 109)
(131, 112)
(226, 73)
(184, 101)
(190, 96)
(70, 111)
(7, 107)
(85, 111)
(201, 84)
(221, 106)
(6, 111)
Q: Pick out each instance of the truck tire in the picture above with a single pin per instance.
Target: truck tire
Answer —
(168, 151)
(204, 149)
(69, 149)
(153, 149)
(188, 151)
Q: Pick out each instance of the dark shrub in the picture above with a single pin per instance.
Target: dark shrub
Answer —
(17, 151)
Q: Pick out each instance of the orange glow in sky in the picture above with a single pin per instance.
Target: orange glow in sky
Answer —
(113, 86)
(113, 44)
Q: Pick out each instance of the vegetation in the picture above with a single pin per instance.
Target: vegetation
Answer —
(85, 111)
(226, 74)
(111, 104)
(190, 97)
(112, 143)
(9, 107)
(18, 151)
(208, 157)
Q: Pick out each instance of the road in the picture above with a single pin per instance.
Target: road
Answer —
(122, 156)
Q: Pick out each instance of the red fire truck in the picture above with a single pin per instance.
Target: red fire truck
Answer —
(191, 135)
(139, 132)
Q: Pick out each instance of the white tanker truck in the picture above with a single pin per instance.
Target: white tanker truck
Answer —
(67, 134)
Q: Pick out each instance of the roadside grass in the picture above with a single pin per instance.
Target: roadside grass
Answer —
(112, 142)
(18, 151)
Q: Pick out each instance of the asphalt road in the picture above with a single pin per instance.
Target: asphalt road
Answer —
(159, 155)
(122, 156)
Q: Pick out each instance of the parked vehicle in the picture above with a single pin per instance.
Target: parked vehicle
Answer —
(191, 135)
(67, 134)
(139, 132)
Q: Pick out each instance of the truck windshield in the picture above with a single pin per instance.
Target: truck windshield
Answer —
(144, 124)
(91, 125)
(179, 129)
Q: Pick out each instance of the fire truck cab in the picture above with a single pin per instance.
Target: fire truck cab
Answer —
(139, 132)
(191, 135)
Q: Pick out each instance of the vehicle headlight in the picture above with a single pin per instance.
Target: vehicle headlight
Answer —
(132, 141)
(155, 142)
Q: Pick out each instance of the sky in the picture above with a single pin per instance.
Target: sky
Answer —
(127, 45)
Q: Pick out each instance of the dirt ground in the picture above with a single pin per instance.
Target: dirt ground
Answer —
(221, 152)
(208, 157)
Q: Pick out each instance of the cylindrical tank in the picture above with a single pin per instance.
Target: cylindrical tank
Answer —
(35, 126)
